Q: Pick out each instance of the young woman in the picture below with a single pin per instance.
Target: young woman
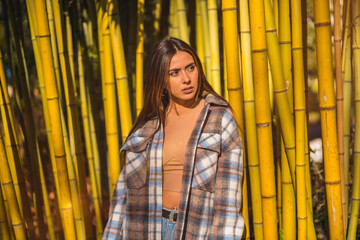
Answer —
(183, 171)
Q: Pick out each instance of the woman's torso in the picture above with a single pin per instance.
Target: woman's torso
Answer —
(178, 128)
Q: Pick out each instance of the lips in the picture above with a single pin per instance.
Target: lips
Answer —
(188, 90)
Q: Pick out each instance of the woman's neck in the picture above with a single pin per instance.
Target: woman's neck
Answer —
(181, 109)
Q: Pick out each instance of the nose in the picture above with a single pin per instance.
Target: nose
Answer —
(185, 78)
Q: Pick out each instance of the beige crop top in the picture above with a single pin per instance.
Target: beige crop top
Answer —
(178, 128)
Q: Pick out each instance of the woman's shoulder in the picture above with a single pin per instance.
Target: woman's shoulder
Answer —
(138, 140)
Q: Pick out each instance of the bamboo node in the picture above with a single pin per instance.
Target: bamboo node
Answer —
(53, 98)
(289, 148)
(245, 31)
(235, 89)
(258, 223)
(121, 78)
(8, 183)
(259, 50)
(263, 124)
(271, 31)
(253, 165)
(109, 134)
(43, 36)
(332, 182)
(284, 42)
(271, 196)
(60, 156)
(297, 48)
(228, 9)
(302, 218)
(328, 108)
(322, 24)
(280, 91)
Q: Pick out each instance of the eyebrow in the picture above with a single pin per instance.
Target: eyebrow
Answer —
(177, 69)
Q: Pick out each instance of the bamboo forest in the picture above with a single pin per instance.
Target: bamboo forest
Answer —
(72, 80)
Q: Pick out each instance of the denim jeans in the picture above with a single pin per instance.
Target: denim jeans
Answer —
(167, 229)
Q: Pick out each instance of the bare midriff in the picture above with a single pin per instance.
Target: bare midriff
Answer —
(178, 127)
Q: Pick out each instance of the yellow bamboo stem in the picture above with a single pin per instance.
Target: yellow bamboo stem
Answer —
(250, 125)
(182, 20)
(139, 56)
(70, 49)
(339, 101)
(174, 26)
(233, 74)
(263, 118)
(53, 103)
(214, 45)
(120, 69)
(347, 92)
(279, 85)
(73, 117)
(7, 183)
(88, 145)
(199, 35)
(300, 116)
(355, 201)
(110, 111)
(328, 118)
(157, 16)
(54, 48)
(206, 34)
(4, 230)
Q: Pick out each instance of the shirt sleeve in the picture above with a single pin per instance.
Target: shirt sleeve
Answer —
(228, 222)
(114, 226)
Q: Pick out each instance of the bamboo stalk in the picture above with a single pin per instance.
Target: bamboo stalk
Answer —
(120, 69)
(4, 230)
(53, 103)
(347, 92)
(355, 201)
(139, 56)
(88, 145)
(157, 18)
(206, 34)
(54, 48)
(33, 31)
(214, 45)
(7, 183)
(30, 130)
(182, 20)
(250, 125)
(328, 118)
(73, 118)
(199, 35)
(110, 109)
(233, 74)
(263, 118)
(300, 116)
(339, 102)
(282, 102)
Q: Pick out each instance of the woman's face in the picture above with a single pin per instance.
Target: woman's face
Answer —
(183, 78)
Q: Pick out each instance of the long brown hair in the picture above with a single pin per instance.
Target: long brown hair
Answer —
(157, 91)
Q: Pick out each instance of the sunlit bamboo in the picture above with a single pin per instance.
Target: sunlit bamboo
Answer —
(328, 118)
(250, 124)
(53, 103)
(355, 200)
(263, 118)
(139, 55)
(214, 45)
(206, 42)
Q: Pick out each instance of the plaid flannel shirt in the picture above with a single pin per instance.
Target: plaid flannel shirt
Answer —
(210, 198)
